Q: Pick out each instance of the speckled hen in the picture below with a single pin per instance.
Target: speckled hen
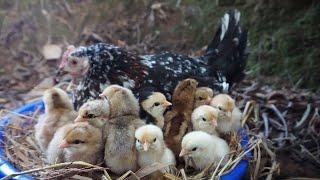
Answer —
(221, 65)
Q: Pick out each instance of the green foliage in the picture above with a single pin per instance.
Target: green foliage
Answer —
(284, 35)
(284, 38)
(286, 44)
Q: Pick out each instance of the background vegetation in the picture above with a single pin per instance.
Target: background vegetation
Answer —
(284, 45)
(284, 35)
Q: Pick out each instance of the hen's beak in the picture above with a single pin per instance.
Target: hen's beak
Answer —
(146, 146)
(61, 65)
(183, 153)
(167, 103)
(79, 119)
(63, 144)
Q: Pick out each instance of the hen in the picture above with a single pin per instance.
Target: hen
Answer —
(221, 65)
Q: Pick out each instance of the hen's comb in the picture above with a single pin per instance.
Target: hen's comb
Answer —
(65, 55)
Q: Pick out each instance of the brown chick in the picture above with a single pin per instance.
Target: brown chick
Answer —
(76, 142)
(230, 120)
(120, 154)
(179, 118)
(203, 96)
(58, 112)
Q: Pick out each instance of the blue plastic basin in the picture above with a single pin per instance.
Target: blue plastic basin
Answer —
(6, 168)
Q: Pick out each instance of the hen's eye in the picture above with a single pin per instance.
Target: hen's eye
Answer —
(194, 149)
(156, 104)
(154, 140)
(204, 119)
(77, 141)
(74, 62)
(200, 98)
(90, 115)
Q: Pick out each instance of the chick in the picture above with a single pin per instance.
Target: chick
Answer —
(76, 142)
(179, 118)
(151, 147)
(95, 112)
(153, 105)
(230, 120)
(204, 118)
(120, 154)
(58, 112)
(204, 149)
(203, 96)
(116, 94)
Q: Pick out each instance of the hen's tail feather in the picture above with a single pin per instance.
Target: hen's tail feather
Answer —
(226, 54)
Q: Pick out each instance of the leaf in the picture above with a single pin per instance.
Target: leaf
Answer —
(51, 51)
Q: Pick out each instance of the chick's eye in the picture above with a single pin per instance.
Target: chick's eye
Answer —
(155, 139)
(204, 119)
(138, 140)
(156, 104)
(200, 98)
(77, 141)
(194, 149)
(90, 115)
(220, 108)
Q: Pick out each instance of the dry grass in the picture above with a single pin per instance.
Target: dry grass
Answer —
(270, 118)
(21, 150)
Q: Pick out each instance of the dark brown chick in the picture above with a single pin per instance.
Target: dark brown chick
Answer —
(179, 118)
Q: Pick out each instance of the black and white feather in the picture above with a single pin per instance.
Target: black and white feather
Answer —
(219, 68)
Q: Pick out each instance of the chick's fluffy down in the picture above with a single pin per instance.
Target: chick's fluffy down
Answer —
(58, 112)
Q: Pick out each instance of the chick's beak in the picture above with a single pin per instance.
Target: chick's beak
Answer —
(167, 103)
(146, 146)
(63, 144)
(208, 100)
(229, 113)
(183, 153)
(214, 123)
(101, 95)
(79, 119)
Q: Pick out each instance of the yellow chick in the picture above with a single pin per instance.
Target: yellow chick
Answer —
(153, 105)
(120, 154)
(151, 147)
(203, 96)
(94, 112)
(58, 112)
(230, 120)
(115, 94)
(76, 142)
(204, 118)
(204, 149)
